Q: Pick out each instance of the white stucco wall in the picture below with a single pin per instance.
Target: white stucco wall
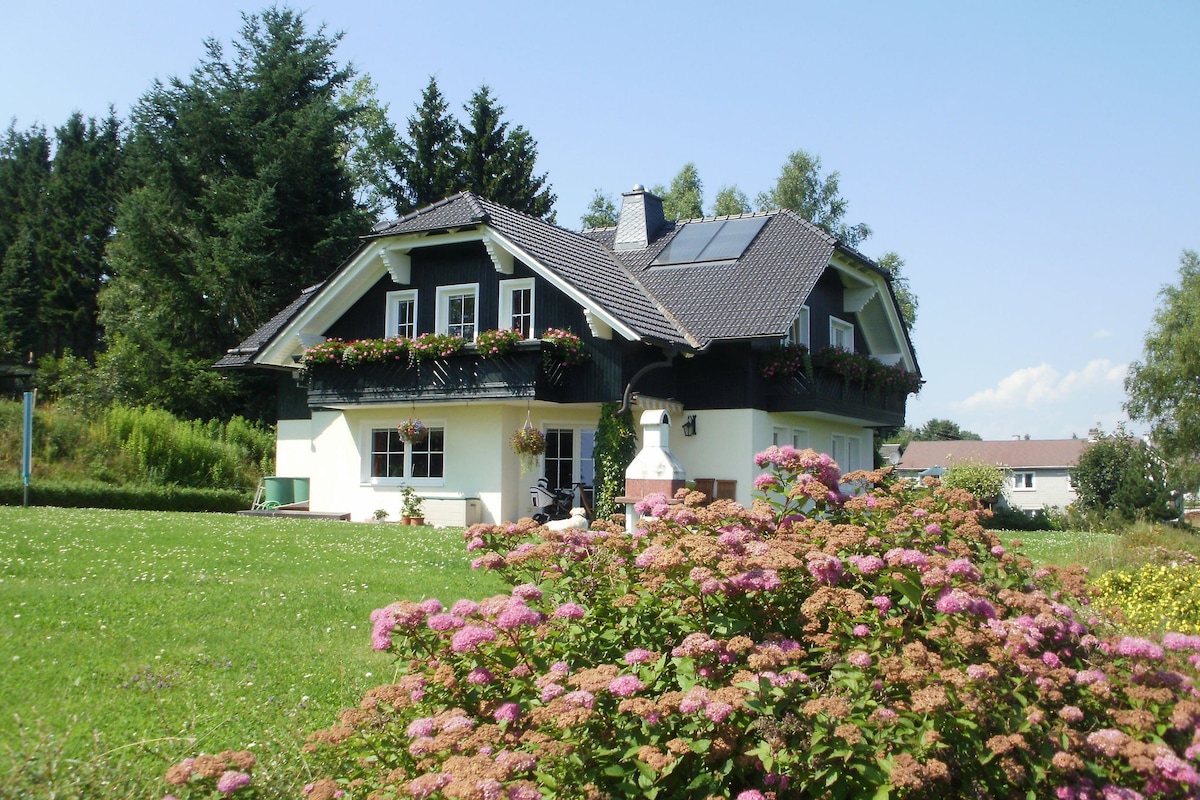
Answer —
(478, 461)
(1051, 487)
(726, 442)
(293, 448)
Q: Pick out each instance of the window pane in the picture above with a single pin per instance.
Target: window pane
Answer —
(428, 458)
(406, 322)
(560, 457)
(461, 314)
(522, 311)
(387, 454)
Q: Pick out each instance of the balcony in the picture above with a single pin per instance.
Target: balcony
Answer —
(829, 392)
(463, 375)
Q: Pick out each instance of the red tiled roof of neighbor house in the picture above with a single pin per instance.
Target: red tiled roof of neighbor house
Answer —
(1013, 453)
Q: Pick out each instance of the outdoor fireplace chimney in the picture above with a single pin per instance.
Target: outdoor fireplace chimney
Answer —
(641, 217)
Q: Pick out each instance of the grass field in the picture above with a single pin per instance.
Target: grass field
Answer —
(131, 639)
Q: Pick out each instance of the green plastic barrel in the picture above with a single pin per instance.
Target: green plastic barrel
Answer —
(299, 490)
(278, 491)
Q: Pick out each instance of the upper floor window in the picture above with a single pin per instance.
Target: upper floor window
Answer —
(1022, 481)
(456, 311)
(798, 332)
(516, 306)
(841, 334)
(402, 314)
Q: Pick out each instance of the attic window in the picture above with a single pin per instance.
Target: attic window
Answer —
(718, 240)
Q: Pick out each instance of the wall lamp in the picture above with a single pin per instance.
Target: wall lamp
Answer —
(689, 425)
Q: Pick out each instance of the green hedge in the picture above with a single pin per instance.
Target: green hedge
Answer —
(93, 494)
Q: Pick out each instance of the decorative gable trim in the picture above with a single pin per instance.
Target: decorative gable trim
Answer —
(855, 300)
(398, 262)
(501, 258)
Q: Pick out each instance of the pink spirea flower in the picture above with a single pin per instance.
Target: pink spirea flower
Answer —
(861, 630)
(524, 792)
(569, 611)
(516, 615)
(882, 602)
(977, 672)
(464, 608)
(1108, 741)
(933, 529)
(639, 656)
(432, 606)
(1051, 660)
(444, 622)
(825, 568)
(1179, 641)
(232, 780)
(480, 676)
(423, 726)
(476, 543)
(761, 580)
(963, 568)
(1139, 647)
(427, 784)
(551, 691)
(527, 591)
(766, 481)
(751, 794)
(580, 698)
(1071, 713)
(625, 685)
(718, 712)
(953, 601)
(859, 659)
(1110, 792)
(998, 550)
(468, 638)
(1176, 769)
(867, 565)
(508, 712)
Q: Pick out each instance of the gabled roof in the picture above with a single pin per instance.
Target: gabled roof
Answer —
(588, 267)
(1014, 453)
(755, 294)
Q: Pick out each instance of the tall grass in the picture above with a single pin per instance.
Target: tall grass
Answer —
(131, 639)
(122, 445)
(1100, 552)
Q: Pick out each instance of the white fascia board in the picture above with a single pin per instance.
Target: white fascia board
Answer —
(595, 311)
(860, 282)
(332, 301)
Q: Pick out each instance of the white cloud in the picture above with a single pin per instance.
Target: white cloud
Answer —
(1036, 387)
(1101, 334)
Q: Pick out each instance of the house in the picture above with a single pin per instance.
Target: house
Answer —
(692, 317)
(1038, 470)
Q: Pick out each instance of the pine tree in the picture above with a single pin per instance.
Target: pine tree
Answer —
(497, 164)
(430, 155)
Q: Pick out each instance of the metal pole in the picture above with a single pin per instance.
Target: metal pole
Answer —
(27, 447)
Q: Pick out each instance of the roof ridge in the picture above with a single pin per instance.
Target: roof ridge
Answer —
(722, 217)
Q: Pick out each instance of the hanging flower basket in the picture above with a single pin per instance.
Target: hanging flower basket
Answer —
(529, 444)
(412, 430)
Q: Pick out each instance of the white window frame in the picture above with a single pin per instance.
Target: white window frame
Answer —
(392, 322)
(798, 332)
(507, 289)
(800, 438)
(444, 295)
(843, 330)
(368, 450)
(1024, 481)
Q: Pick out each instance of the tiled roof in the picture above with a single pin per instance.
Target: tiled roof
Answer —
(1013, 453)
(242, 355)
(756, 295)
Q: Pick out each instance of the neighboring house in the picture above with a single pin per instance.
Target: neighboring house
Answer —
(1037, 469)
(691, 313)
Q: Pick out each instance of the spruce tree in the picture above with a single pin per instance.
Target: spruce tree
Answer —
(498, 164)
(429, 157)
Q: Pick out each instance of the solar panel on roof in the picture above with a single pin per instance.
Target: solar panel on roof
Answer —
(718, 240)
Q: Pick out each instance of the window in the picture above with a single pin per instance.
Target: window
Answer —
(798, 332)
(568, 459)
(1023, 481)
(779, 436)
(516, 306)
(841, 334)
(391, 458)
(800, 438)
(847, 452)
(402, 314)
(456, 310)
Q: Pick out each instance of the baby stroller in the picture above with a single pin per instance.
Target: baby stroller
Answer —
(554, 503)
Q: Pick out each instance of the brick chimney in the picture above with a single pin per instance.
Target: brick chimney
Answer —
(641, 217)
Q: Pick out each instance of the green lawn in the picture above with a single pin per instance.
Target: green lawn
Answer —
(131, 639)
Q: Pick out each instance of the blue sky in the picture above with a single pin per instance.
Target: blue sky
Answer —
(1036, 164)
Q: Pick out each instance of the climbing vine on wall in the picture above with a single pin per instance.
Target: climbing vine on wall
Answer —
(616, 445)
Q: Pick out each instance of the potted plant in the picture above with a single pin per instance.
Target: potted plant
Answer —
(381, 515)
(410, 507)
(412, 430)
(492, 344)
(528, 443)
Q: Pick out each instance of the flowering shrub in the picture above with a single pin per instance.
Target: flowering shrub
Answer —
(412, 430)
(1153, 597)
(783, 362)
(496, 343)
(375, 351)
(562, 348)
(326, 352)
(814, 645)
(862, 370)
(435, 345)
(226, 773)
